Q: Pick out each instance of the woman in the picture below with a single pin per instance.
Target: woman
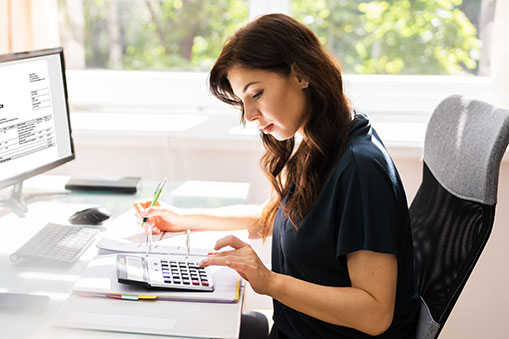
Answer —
(342, 257)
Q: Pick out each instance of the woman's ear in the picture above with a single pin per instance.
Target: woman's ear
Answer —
(301, 79)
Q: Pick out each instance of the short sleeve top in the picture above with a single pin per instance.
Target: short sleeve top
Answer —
(362, 206)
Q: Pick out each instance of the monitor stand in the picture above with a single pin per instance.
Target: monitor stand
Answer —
(17, 201)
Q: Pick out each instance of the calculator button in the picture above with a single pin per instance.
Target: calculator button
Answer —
(205, 283)
(196, 282)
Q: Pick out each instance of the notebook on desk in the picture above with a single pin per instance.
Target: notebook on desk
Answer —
(197, 320)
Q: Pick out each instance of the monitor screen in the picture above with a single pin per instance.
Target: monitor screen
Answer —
(35, 133)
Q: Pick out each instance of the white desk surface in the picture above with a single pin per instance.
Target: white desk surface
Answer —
(56, 280)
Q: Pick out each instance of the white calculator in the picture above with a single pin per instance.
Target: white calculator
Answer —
(163, 272)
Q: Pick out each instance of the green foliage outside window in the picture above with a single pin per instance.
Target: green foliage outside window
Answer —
(374, 37)
(175, 34)
(394, 37)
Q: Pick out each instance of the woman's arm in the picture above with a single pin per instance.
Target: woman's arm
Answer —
(226, 218)
(172, 219)
(367, 306)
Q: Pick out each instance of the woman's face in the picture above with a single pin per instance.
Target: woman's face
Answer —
(276, 102)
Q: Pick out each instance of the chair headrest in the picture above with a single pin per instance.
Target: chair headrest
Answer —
(464, 144)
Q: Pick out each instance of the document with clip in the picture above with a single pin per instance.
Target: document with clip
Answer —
(100, 280)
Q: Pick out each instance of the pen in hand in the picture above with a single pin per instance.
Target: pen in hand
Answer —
(148, 239)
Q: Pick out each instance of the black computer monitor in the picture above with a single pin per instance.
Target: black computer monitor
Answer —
(35, 130)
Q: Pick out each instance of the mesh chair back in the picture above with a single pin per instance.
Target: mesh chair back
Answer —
(453, 211)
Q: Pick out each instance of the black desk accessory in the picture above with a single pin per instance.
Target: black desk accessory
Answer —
(127, 185)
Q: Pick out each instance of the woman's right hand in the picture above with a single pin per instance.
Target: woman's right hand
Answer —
(161, 218)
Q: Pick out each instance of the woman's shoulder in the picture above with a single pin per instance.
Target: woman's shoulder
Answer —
(364, 155)
(364, 148)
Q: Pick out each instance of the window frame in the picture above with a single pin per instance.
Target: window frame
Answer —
(385, 96)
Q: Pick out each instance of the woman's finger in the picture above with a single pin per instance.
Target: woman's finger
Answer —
(215, 260)
(222, 253)
(153, 211)
(141, 204)
(231, 241)
(140, 218)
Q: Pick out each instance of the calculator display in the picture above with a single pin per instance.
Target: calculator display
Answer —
(134, 268)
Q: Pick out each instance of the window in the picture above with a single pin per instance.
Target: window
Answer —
(367, 36)
(398, 36)
(409, 52)
(176, 35)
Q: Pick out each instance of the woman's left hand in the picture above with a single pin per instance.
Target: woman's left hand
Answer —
(244, 260)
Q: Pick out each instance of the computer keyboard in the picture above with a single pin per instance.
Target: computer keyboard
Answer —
(58, 243)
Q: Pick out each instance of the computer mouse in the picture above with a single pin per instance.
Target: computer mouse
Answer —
(90, 216)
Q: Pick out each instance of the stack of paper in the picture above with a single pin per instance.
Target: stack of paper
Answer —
(110, 246)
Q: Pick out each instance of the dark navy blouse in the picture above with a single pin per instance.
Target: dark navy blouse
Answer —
(362, 206)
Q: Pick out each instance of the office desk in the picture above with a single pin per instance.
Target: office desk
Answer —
(56, 281)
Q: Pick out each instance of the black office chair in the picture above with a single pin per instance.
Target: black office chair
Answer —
(453, 211)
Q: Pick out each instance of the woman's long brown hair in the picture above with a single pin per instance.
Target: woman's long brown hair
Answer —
(277, 42)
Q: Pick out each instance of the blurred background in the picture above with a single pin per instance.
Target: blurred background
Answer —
(369, 37)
